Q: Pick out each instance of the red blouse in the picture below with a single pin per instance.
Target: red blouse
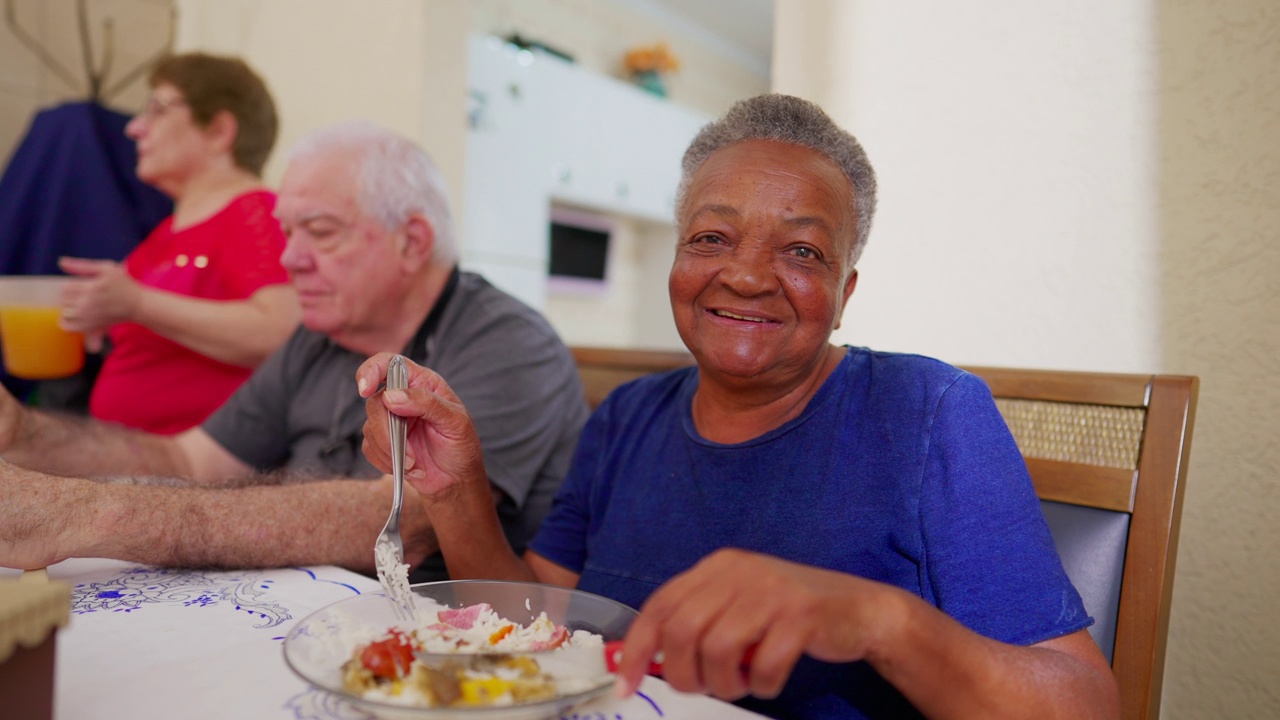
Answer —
(150, 382)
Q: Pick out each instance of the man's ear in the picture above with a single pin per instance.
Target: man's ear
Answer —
(222, 130)
(849, 285)
(419, 241)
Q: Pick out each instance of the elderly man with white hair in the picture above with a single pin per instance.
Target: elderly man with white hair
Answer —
(275, 477)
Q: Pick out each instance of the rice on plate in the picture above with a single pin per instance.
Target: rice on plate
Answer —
(485, 673)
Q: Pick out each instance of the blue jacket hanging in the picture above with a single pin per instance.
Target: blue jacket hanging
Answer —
(70, 189)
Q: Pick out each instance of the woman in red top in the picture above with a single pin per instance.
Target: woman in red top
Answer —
(203, 300)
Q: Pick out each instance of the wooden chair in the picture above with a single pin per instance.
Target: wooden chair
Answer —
(603, 369)
(1108, 456)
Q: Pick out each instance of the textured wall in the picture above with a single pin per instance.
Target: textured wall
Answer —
(1219, 140)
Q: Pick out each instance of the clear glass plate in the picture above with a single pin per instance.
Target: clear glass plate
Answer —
(316, 648)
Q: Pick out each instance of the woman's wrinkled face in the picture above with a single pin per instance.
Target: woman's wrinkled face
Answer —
(171, 146)
(762, 271)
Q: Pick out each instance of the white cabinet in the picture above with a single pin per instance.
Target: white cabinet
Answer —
(545, 130)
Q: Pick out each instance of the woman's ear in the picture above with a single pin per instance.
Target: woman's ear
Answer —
(419, 241)
(222, 131)
(849, 285)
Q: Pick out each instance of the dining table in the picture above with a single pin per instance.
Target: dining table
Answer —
(155, 643)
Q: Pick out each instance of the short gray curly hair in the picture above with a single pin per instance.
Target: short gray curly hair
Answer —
(789, 119)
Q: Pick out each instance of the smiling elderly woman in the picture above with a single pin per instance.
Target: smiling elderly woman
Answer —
(812, 530)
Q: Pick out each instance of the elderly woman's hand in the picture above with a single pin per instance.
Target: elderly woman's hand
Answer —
(737, 622)
(104, 295)
(442, 449)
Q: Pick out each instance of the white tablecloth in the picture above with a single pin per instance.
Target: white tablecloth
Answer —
(153, 643)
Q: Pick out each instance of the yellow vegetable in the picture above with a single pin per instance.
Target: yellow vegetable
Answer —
(484, 691)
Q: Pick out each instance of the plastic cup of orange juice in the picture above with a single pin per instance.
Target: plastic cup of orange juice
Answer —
(33, 346)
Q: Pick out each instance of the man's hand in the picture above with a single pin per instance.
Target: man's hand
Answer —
(442, 449)
(42, 519)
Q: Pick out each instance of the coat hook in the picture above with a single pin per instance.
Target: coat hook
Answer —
(96, 76)
(11, 19)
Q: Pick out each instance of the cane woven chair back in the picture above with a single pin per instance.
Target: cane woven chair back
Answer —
(1108, 455)
(603, 369)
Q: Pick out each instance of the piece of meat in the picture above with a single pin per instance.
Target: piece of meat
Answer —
(463, 618)
(558, 637)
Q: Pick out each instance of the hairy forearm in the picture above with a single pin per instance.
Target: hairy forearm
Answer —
(947, 671)
(74, 445)
(44, 519)
(237, 332)
(35, 516)
(331, 522)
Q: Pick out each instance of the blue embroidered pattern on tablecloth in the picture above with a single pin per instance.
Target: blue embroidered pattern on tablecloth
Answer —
(140, 586)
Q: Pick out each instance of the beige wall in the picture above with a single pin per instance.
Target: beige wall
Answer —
(27, 85)
(1016, 157)
(1091, 186)
(393, 62)
(326, 63)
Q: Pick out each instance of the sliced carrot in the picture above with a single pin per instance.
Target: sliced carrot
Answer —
(503, 632)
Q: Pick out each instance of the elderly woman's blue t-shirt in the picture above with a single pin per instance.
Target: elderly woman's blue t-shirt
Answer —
(900, 470)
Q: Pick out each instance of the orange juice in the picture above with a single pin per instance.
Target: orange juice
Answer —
(33, 345)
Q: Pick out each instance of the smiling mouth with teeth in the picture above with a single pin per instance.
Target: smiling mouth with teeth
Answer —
(725, 314)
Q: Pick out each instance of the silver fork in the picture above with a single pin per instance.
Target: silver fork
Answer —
(388, 552)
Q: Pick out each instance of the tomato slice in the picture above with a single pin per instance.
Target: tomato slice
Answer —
(390, 657)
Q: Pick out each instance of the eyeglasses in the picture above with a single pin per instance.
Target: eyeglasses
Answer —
(157, 107)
